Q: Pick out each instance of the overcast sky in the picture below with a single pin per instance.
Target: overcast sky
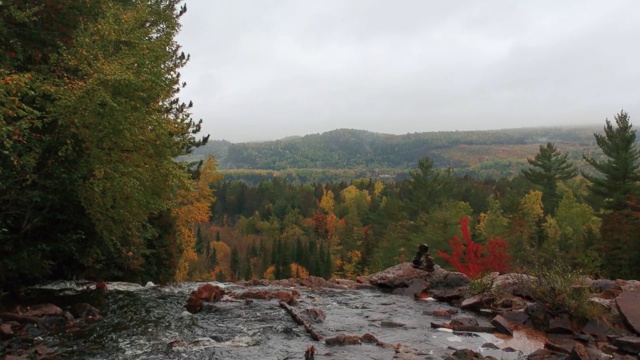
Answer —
(268, 69)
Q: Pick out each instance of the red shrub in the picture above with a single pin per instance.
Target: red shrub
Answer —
(472, 259)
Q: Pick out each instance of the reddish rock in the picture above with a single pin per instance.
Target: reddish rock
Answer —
(43, 310)
(316, 314)
(502, 325)
(610, 294)
(6, 332)
(416, 286)
(477, 301)
(560, 325)
(627, 303)
(560, 343)
(369, 339)
(579, 352)
(400, 275)
(342, 339)
(465, 354)
(209, 292)
(194, 305)
(439, 313)
(464, 321)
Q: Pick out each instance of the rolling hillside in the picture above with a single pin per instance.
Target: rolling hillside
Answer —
(493, 153)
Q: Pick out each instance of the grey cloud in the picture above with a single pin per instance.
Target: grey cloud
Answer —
(268, 69)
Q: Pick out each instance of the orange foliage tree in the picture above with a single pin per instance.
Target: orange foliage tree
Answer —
(194, 207)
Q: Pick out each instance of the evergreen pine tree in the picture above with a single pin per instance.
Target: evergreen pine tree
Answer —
(548, 167)
(619, 174)
(235, 262)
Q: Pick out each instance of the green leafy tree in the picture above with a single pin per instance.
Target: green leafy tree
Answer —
(548, 168)
(428, 187)
(90, 124)
(618, 178)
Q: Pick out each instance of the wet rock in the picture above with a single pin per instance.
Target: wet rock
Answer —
(630, 344)
(399, 275)
(317, 315)
(477, 301)
(465, 354)
(416, 286)
(43, 310)
(285, 296)
(560, 325)
(6, 332)
(627, 304)
(209, 292)
(342, 339)
(546, 354)
(194, 305)
(391, 324)
(442, 279)
(587, 352)
(502, 325)
(405, 353)
(464, 321)
(560, 343)
(441, 313)
(447, 295)
(369, 339)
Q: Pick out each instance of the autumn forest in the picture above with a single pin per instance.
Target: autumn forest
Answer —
(104, 175)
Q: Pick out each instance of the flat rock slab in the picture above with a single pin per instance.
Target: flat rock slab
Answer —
(630, 344)
(502, 325)
(629, 306)
(400, 275)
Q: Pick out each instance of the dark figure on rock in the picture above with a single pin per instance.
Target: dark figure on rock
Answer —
(428, 264)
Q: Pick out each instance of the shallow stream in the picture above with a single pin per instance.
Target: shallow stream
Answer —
(151, 323)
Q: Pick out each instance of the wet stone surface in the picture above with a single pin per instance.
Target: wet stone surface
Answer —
(152, 323)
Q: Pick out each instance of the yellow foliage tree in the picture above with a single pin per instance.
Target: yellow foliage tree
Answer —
(299, 272)
(194, 207)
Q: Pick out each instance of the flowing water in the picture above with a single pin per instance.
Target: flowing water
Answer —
(151, 323)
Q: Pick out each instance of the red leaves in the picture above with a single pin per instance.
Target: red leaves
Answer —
(472, 259)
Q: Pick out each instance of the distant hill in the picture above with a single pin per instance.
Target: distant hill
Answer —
(476, 153)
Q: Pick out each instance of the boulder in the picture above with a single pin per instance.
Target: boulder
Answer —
(400, 275)
(477, 301)
(209, 292)
(502, 325)
(627, 304)
(416, 286)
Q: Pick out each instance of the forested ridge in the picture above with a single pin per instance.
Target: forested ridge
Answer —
(483, 154)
